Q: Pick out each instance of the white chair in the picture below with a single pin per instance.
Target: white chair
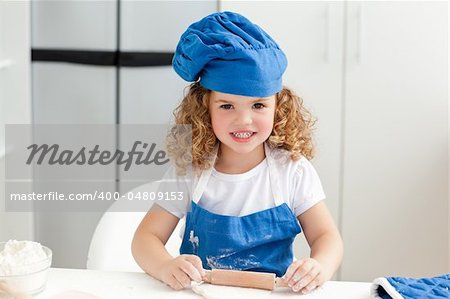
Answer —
(110, 247)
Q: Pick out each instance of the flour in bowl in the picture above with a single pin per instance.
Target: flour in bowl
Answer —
(21, 257)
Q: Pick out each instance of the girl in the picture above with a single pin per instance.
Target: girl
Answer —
(254, 185)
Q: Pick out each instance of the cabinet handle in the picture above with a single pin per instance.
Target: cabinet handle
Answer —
(5, 63)
(326, 51)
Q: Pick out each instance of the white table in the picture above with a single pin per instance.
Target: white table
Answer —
(72, 283)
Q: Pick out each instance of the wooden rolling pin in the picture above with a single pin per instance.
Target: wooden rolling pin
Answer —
(246, 279)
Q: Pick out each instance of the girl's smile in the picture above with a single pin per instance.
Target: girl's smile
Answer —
(242, 136)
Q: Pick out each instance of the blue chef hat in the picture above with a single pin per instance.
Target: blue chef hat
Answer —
(230, 54)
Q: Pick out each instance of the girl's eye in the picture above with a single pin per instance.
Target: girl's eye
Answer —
(258, 105)
(226, 106)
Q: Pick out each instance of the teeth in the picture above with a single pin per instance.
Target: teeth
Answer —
(243, 135)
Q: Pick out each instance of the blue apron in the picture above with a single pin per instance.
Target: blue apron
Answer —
(260, 242)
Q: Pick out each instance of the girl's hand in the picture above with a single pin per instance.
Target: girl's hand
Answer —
(304, 275)
(178, 272)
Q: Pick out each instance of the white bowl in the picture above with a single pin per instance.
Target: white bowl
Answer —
(34, 280)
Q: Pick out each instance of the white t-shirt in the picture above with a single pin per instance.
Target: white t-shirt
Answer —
(250, 192)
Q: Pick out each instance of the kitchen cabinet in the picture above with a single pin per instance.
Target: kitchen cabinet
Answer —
(105, 85)
(68, 93)
(394, 192)
(148, 95)
(375, 76)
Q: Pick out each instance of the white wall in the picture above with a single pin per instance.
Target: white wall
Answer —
(15, 104)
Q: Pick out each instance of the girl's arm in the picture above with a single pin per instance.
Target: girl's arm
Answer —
(149, 239)
(323, 238)
(151, 255)
(326, 250)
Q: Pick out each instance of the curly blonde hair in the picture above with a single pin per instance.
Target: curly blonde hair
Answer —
(292, 129)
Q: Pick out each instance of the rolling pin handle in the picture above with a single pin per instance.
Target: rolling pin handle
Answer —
(281, 283)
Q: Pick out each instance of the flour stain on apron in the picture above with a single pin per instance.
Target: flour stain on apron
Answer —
(239, 263)
(194, 241)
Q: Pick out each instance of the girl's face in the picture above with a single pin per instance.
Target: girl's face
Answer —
(241, 123)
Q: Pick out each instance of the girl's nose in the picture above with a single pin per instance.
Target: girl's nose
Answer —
(244, 117)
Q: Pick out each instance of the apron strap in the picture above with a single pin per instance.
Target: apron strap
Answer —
(203, 180)
(273, 176)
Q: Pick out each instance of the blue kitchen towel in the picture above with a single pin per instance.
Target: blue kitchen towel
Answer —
(437, 287)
